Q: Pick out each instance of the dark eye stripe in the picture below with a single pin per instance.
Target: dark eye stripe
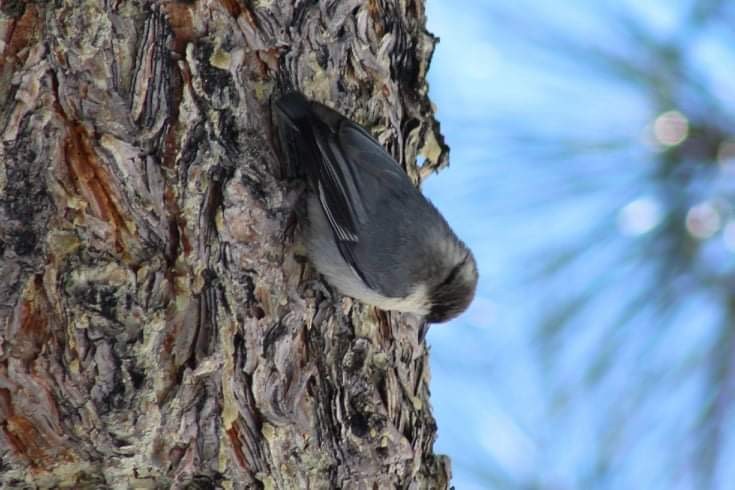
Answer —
(454, 272)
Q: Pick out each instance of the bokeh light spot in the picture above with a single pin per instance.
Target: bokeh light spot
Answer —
(703, 220)
(671, 128)
(639, 216)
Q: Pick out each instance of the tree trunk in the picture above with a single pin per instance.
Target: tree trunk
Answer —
(158, 324)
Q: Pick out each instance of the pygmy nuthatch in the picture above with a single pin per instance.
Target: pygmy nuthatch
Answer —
(370, 231)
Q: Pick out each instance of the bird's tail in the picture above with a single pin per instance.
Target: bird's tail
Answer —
(294, 108)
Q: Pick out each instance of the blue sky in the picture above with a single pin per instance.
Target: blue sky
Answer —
(507, 415)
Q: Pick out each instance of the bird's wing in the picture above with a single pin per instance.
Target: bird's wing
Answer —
(349, 170)
(339, 191)
(355, 174)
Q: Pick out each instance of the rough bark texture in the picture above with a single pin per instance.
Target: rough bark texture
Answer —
(158, 325)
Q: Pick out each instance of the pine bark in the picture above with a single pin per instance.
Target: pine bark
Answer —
(159, 326)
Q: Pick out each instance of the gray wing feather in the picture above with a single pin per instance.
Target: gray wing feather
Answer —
(355, 178)
(342, 233)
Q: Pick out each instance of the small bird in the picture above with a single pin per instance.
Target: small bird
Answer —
(370, 231)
